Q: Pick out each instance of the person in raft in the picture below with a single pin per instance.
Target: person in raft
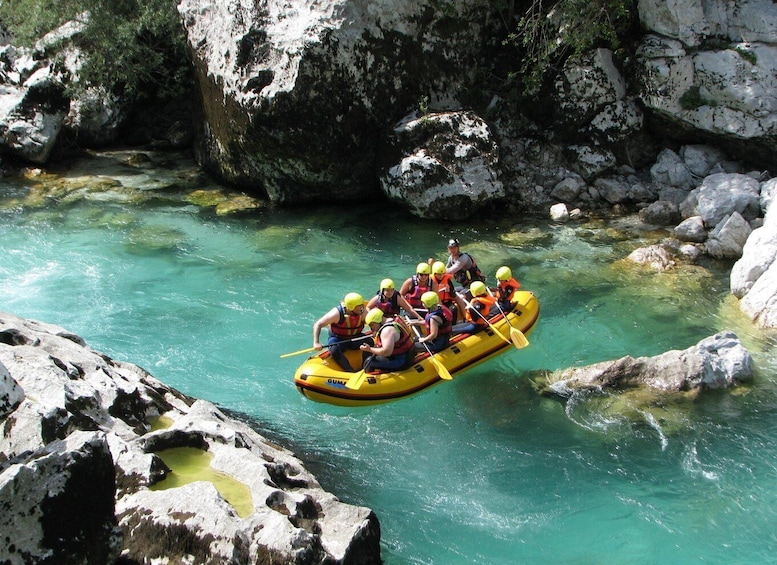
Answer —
(442, 282)
(391, 302)
(505, 289)
(477, 310)
(415, 286)
(462, 266)
(438, 321)
(346, 322)
(393, 348)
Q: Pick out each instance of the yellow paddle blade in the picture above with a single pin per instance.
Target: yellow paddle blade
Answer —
(441, 370)
(496, 331)
(519, 340)
(357, 380)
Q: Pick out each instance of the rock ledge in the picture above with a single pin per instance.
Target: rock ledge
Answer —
(78, 457)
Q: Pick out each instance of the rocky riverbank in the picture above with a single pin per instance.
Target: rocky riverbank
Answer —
(83, 470)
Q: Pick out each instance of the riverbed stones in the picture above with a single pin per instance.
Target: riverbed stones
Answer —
(691, 230)
(728, 238)
(78, 458)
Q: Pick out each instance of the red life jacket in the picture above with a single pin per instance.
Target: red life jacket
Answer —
(445, 288)
(483, 305)
(405, 341)
(445, 313)
(390, 307)
(348, 325)
(414, 297)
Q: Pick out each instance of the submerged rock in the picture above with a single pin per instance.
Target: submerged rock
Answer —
(79, 455)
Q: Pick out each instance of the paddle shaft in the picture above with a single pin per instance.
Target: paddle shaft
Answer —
(309, 349)
(519, 340)
(441, 370)
(492, 326)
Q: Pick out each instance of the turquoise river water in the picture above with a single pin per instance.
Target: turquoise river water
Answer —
(481, 469)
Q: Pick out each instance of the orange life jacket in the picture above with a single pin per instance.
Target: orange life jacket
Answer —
(506, 289)
(445, 288)
(483, 305)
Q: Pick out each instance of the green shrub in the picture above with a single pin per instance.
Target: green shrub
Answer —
(747, 55)
(550, 31)
(135, 49)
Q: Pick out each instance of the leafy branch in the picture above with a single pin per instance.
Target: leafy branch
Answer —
(550, 31)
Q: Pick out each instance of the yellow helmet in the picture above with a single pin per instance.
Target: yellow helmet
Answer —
(430, 299)
(386, 284)
(477, 288)
(438, 268)
(423, 269)
(504, 274)
(353, 300)
(374, 316)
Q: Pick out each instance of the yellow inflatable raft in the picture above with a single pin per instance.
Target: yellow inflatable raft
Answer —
(321, 379)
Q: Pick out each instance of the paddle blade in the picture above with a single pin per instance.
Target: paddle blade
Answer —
(441, 370)
(357, 380)
(496, 331)
(519, 340)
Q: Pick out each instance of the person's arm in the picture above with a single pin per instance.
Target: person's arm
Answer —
(434, 326)
(387, 337)
(332, 316)
(463, 262)
(372, 302)
(406, 286)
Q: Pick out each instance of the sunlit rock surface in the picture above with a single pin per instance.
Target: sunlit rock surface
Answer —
(78, 455)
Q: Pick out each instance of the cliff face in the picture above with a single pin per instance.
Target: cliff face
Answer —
(296, 96)
(304, 102)
(298, 99)
(82, 470)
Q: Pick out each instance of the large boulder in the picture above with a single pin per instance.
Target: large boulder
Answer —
(33, 105)
(447, 165)
(754, 276)
(715, 362)
(721, 195)
(84, 444)
(727, 93)
(296, 95)
(58, 503)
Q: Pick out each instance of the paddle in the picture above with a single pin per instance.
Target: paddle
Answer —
(309, 349)
(441, 370)
(492, 326)
(357, 380)
(519, 339)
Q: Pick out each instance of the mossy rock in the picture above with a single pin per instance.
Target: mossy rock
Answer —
(207, 198)
(237, 204)
(530, 237)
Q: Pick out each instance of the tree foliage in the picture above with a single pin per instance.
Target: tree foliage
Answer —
(549, 31)
(135, 49)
